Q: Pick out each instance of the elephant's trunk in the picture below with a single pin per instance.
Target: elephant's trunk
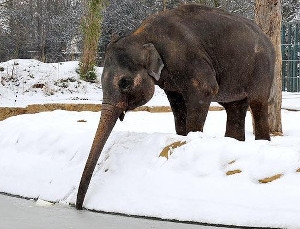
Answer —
(109, 116)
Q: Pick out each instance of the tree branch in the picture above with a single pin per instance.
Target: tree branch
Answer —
(5, 2)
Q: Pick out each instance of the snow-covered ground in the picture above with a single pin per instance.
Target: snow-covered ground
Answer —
(42, 156)
(25, 82)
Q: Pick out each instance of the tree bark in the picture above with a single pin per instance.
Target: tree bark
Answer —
(91, 32)
(164, 5)
(268, 17)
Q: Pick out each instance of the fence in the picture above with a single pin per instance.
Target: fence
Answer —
(290, 48)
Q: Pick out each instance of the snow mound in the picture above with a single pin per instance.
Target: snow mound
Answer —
(30, 81)
(131, 177)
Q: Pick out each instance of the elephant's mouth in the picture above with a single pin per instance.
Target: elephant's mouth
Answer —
(132, 102)
(122, 115)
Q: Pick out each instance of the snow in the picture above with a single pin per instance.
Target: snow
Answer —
(20, 83)
(42, 156)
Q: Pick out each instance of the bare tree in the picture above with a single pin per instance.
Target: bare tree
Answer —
(43, 29)
(291, 10)
(121, 18)
(38, 28)
(268, 17)
(4, 2)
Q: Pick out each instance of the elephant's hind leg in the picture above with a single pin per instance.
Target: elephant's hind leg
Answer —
(261, 122)
(236, 114)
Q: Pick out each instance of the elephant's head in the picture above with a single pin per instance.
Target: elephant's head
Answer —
(130, 69)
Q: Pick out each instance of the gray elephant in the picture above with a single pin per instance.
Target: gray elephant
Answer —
(196, 54)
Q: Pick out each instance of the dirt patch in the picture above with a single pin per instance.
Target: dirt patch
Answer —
(6, 112)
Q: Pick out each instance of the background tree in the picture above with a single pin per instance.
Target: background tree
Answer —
(39, 29)
(121, 18)
(268, 17)
(45, 29)
(240, 7)
(291, 10)
(91, 31)
(57, 23)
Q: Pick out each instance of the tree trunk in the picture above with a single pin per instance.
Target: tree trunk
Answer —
(217, 3)
(91, 31)
(268, 17)
(164, 5)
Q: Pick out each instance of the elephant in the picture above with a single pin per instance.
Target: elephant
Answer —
(197, 55)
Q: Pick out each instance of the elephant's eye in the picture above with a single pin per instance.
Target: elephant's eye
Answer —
(126, 83)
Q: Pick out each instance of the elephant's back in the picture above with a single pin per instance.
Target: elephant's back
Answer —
(194, 20)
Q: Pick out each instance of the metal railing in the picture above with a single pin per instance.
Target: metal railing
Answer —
(290, 47)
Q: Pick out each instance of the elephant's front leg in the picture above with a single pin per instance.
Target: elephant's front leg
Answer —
(190, 111)
(198, 99)
(179, 111)
(197, 110)
(200, 89)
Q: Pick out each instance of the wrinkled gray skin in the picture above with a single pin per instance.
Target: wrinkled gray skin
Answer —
(196, 55)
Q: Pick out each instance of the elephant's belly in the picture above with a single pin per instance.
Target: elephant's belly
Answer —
(226, 97)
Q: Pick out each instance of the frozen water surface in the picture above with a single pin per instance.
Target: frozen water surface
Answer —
(28, 214)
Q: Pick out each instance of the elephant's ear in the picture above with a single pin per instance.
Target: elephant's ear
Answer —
(115, 37)
(154, 63)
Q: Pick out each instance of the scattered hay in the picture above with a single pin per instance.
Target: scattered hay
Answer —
(232, 172)
(298, 170)
(168, 150)
(270, 179)
(81, 120)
